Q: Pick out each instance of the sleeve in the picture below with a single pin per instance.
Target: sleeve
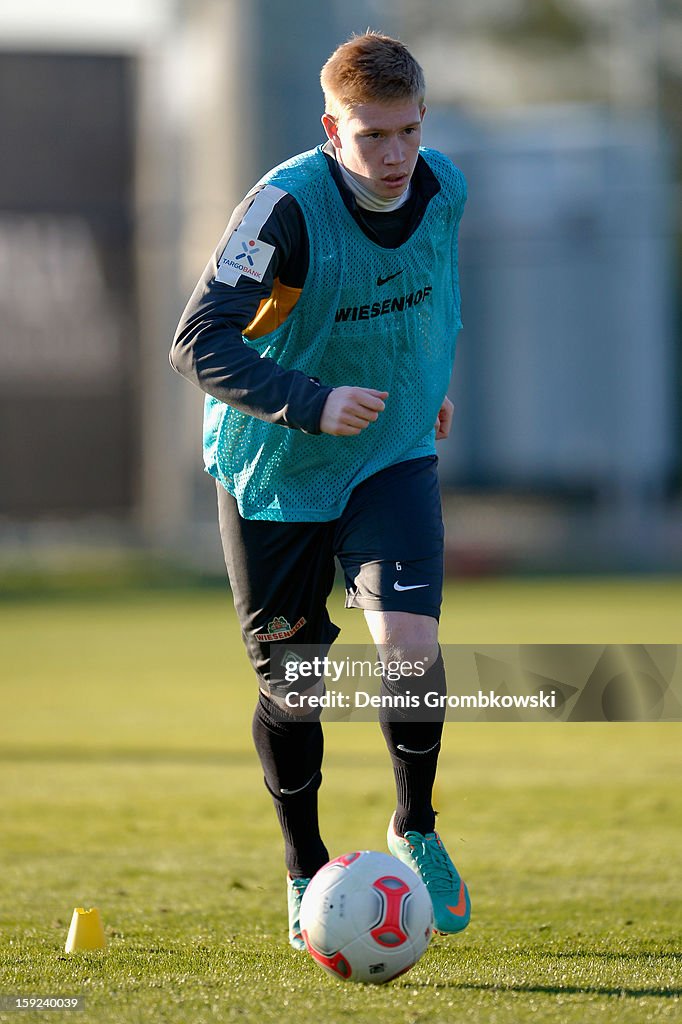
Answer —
(265, 241)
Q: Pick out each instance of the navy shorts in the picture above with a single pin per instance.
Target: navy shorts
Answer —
(389, 543)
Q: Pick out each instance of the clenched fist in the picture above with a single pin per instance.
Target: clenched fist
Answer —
(349, 411)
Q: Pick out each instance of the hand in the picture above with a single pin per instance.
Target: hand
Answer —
(444, 421)
(349, 411)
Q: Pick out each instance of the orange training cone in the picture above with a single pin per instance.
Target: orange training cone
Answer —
(86, 931)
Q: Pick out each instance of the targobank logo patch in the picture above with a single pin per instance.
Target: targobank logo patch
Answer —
(250, 249)
(244, 255)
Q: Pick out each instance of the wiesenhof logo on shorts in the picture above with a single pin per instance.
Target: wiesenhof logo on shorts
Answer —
(279, 629)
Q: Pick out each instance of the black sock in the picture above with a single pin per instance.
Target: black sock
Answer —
(414, 746)
(290, 751)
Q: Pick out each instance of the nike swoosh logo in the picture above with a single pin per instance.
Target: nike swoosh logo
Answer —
(460, 909)
(412, 586)
(383, 280)
(407, 750)
(291, 792)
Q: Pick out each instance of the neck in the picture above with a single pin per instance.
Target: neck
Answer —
(367, 199)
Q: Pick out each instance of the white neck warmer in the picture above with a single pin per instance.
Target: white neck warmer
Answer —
(367, 199)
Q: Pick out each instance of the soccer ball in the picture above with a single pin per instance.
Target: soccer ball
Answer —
(366, 916)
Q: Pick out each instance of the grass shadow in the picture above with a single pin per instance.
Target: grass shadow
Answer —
(123, 755)
(624, 992)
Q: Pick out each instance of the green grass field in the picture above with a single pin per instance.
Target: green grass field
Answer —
(128, 782)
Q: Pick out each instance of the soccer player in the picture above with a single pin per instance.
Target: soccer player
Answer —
(323, 334)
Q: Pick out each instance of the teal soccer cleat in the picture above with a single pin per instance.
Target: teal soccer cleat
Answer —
(295, 889)
(427, 856)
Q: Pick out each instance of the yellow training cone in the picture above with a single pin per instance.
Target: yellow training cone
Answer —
(86, 931)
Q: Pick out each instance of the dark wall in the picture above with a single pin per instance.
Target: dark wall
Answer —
(67, 306)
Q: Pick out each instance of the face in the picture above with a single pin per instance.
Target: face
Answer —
(378, 143)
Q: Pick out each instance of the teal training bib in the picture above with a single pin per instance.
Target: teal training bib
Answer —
(368, 317)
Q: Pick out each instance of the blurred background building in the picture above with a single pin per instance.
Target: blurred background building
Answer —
(130, 131)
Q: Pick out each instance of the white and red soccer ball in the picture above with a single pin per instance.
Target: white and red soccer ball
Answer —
(366, 916)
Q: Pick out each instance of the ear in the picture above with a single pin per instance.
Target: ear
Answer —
(422, 111)
(331, 128)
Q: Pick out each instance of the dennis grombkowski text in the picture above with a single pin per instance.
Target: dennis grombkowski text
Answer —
(315, 669)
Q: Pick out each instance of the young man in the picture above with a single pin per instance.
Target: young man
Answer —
(323, 333)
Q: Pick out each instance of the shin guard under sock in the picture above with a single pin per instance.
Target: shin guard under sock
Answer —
(290, 750)
(414, 746)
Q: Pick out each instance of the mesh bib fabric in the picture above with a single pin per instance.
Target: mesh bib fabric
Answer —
(368, 317)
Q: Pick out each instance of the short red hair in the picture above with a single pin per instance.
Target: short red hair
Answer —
(371, 68)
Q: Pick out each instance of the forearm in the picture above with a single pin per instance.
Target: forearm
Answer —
(213, 356)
